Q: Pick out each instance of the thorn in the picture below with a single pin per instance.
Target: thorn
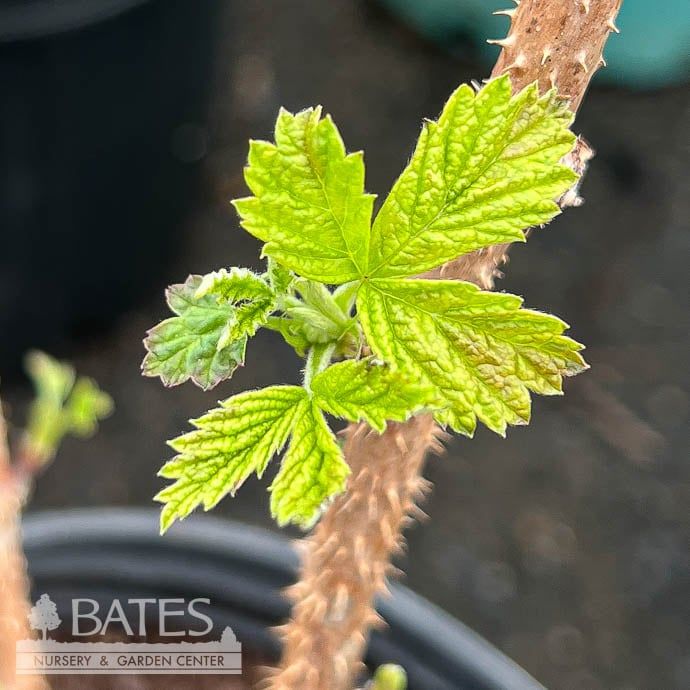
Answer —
(581, 60)
(518, 63)
(552, 78)
(517, 3)
(602, 62)
(400, 443)
(477, 87)
(545, 55)
(611, 25)
(508, 13)
(503, 42)
(585, 5)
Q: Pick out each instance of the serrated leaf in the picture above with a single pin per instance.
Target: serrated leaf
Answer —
(313, 470)
(483, 173)
(480, 350)
(229, 443)
(309, 205)
(366, 390)
(195, 344)
(234, 286)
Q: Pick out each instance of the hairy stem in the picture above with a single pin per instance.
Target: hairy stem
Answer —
(14, 586)
(345, 560)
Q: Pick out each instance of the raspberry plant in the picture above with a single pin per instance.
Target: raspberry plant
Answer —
(381, 344)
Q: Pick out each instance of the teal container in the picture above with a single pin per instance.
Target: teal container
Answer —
(652, 50)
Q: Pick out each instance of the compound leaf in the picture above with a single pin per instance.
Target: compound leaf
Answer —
(313, 470)
(230, 443)
(483, 173)
(365, 390)
(480, 350)
(309, 205)
(196, 344)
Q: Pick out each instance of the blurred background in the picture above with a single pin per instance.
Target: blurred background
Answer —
(123, 132)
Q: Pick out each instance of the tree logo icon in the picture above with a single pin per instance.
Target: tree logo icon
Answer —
(44, 615)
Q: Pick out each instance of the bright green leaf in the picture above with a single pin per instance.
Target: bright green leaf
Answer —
(63, 405)
(480, 350)
(196, 344)
(313, 470)
(234, 286)
(279, 277)
(87, 405)
(309, 205)
(364, 390)
(229, 443)
(483, 173)
(292, 333)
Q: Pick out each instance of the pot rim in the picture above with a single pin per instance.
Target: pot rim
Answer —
(424, 628)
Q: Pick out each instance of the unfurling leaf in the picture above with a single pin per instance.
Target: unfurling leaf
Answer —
(196, 344)
(480, 350)
(230, 443)
(364, 390)
(309, 205)
(313, 470)
(483, 173)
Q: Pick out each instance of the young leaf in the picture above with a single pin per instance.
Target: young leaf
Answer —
(481, 352)
(229, 443)
(309, 205)
(364, 390)
(313, 470)
(486, 171)
(234, 286)
(63, 405)
(86, 405)
(196, 344)
(279, 278)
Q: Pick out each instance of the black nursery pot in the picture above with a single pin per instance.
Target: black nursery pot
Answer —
(102, 127)
(118, 553)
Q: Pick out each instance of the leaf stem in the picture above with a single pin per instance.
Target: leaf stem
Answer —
(318, 358)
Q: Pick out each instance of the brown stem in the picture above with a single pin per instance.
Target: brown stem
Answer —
(346, 561)
(559, 44)
(14, 586)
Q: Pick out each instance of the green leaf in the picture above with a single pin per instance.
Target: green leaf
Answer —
(234, 286)
(309, 205)
(254, 299)
(229, 443)
(279, 277)
(63, 405)
(196, 344)
(483, 173)
(480, 350)
(292, 333)
(313, 470)
(364, 390)
(86, 406)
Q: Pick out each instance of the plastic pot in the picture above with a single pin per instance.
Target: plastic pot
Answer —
(106, 553)
(102, 128)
